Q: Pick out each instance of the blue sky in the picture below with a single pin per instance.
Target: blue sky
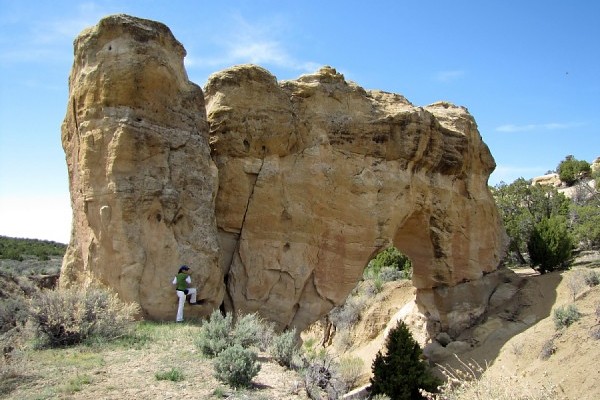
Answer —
(528, 71)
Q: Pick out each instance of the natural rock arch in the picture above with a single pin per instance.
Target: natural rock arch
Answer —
(305, 181)
(317, 175)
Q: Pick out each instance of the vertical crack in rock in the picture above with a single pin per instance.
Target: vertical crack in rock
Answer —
(241, 233)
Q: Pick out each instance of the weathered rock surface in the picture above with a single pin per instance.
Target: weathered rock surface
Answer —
(315, 177)
(548, 179)
(141, 178)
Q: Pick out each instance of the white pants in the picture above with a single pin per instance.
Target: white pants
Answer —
(182, 295)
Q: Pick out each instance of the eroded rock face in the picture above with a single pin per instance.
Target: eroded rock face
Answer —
(141, 178)
(315, 177)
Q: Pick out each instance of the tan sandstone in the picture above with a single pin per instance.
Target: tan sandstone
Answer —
(315, 177)
(548, 179)
(141, 178)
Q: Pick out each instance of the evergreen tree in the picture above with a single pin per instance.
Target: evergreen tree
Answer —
(570, 169)
(522, 206)
(401, 372)
(550, 244)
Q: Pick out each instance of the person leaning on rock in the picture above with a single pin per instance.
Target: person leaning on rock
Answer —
(183, 280)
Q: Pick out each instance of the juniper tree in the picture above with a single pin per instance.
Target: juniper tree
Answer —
(401, 372)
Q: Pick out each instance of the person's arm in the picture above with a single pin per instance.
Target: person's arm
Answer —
(188, 279)
(175, 281)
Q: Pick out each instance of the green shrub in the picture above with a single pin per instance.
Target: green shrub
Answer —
(173, 375)
(401, 372)
(565, 316)
(214, 334)
(236, 366)
(284, 348)
(570, 170)
(67, 317)
(391, 258)
(550, 244)
(16, 248)
(586, 225)
(350, 370)
(591, 278)
(250, 330)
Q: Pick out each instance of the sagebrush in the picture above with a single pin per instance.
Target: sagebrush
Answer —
(284, 348)
(564, 316)
(70, 316)
(236, 366)
(220, 332)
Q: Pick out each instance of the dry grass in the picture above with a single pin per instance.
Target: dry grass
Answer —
(128, 368)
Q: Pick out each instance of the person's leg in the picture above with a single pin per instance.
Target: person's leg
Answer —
(181, 296)
(192, 293)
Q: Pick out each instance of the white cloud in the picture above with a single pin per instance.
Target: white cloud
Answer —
(536, 127)
(254, 44)
(45, 39)
(449, 76)
(68, 28)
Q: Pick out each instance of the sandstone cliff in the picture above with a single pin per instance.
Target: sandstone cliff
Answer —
(315, 176)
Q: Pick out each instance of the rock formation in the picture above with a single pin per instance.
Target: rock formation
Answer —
(548, 179)
(141, 178)
(315, 177)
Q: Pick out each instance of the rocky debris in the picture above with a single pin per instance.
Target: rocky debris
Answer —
(305, 181)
